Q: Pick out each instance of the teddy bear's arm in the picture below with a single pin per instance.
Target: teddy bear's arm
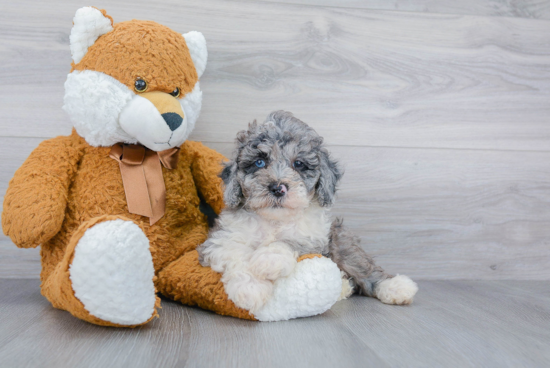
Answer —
(206, 166)
(35, 202)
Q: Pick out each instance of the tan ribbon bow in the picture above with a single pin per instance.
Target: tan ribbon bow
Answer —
(142, 177)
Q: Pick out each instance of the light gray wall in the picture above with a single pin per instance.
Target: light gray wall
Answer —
(439, 112)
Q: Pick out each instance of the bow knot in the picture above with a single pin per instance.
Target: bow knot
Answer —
(142, 177)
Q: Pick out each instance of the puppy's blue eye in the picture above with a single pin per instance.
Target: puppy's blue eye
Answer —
(260, 163)
(298, 164)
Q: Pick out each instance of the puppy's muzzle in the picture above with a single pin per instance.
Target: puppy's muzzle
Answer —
(278, 190)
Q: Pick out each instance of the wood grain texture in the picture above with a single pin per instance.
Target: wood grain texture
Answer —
(447, 214)
(450, 324)
(535, 9)
(376, 78)
(427, 213)
(440, 120)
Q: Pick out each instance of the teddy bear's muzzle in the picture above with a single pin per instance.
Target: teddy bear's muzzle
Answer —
(168, 106)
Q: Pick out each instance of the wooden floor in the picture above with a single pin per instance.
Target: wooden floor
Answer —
(451, 324)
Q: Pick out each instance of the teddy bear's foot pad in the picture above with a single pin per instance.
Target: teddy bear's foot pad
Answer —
(313, 287)
(112, 273)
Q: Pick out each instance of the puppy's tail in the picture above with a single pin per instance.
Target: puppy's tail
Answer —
(345, 251)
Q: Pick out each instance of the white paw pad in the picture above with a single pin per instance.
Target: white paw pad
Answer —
(313, 287)
(112, 273)
(397, 290)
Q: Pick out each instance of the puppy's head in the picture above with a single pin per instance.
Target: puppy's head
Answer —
(280, 166)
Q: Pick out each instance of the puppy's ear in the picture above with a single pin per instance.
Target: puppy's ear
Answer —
(233, 194)
(330, 176)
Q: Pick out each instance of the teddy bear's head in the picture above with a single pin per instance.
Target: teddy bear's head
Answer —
(133, 82)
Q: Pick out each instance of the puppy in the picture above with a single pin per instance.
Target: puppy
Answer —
(279, 188)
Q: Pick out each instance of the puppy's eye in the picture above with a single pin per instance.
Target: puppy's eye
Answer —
(176, 92)
(259, 163)
(298, 165)
(140, 85)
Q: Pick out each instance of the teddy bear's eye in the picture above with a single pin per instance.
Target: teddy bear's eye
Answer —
(140, 85)
(176, 92)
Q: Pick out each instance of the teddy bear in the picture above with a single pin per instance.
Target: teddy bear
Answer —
(115, 205)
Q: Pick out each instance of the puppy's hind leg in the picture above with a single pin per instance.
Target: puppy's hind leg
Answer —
(368, 278)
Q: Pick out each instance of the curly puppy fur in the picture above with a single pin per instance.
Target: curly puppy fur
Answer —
(279, 188)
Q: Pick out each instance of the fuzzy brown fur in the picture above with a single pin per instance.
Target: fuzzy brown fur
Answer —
(66, 186)
(159, 56)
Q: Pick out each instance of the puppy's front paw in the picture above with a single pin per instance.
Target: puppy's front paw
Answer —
(272, 262)
(248, 292)
(397, 290)
(311, 289)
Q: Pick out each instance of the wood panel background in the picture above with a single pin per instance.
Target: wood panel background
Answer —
(439, 112)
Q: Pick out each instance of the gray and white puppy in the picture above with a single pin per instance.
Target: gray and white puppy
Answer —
(279, 188)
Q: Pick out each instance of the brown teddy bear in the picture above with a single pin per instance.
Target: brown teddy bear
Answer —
(115, 205)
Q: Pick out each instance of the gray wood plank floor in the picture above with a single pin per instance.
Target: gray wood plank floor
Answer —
(450, 324)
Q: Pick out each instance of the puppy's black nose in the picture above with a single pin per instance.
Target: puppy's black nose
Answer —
(278, 190)
(173, 120)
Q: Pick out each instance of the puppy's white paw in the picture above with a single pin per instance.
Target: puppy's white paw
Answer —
(347, 288)
(246, 291)
(112, 273)
(313, 287)
(273, 262)
(397, 290)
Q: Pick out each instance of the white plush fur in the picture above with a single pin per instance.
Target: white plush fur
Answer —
(396, 290)
(191, 105)
(89, 24)
(142, 121)
(254, 249)
(312, 288)
(112, 273)
(196, 43)
(105, 111)
(94, 102)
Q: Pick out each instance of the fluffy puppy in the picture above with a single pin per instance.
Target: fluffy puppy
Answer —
(279, 188)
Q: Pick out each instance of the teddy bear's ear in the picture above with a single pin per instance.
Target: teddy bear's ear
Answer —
(197, 47)
(88, 24)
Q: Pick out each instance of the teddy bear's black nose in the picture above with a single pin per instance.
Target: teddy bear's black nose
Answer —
(173, 120)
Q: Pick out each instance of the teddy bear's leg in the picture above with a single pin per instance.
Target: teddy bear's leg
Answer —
(186, 281)
(312, 288)
(106, 276)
